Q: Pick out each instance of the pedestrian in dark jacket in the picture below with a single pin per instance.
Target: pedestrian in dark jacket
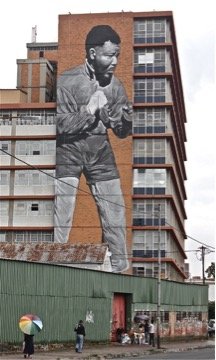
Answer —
(146, 330)
(80, 334)
(28, 346)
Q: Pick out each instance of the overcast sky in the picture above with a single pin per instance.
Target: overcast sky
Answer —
(195, 32)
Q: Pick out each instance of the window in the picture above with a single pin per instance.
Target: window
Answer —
(36, 117)
(20, 208)
(33, 236)
(149, 61)
(48, 208)
(4, 177)
(36, 147)
(49, 180)
(145, 212)
(2, 236)
(149, 181)
(35, 178)
(140, 271)
(49, 147)
(145, 243)
(48, 237)
(42, 147)
(5, 117)
(5, 146)
(39, 208)
(20, 236)
(149, 90)
(149, 151)
(166, 316)
(21, 148)
(149, 272)
(149, 31)
(21, 178)
(49, 47)
(149, 120)
(4, 208)
(34, 207)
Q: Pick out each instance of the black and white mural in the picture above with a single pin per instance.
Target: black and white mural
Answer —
(90, 100)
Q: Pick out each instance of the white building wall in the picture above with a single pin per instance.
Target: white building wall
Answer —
(32, 130)
(36, 160)
(34, 190)
(211, 292)
(33, 221)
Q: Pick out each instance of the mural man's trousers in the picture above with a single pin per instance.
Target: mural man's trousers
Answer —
(111, 209)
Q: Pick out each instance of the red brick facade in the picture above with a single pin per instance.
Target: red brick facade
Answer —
(71, 42)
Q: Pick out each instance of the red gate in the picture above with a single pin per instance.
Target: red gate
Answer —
(118, 314)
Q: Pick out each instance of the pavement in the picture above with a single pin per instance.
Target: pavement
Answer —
(111, 351)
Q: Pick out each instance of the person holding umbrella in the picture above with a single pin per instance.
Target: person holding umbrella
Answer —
(29, 324)
(28, 346)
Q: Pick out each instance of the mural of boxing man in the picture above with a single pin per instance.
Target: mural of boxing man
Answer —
(90, 100)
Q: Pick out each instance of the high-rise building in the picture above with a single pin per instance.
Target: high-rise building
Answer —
(150, 162)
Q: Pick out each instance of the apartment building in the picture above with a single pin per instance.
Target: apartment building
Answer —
(150, 162)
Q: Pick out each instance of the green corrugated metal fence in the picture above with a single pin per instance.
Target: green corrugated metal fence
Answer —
(62, 295)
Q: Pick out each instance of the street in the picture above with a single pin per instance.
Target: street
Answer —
(191, 350)
(198, 354)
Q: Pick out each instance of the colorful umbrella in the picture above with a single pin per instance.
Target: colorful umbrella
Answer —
(30, 324)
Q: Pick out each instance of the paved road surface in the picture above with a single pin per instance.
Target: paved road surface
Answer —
(197, 354)
(114, 351)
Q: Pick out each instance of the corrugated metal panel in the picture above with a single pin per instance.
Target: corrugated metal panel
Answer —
(61, 296)
(40, 279)
(182, 294)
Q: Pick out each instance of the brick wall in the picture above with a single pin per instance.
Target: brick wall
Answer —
(72, 34)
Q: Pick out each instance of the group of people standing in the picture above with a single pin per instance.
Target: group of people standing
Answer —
(28, 344)
(146, 334)
(149, 332)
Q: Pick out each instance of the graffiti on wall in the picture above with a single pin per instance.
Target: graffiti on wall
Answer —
(173, 324)
(91, 100)
(89, 317)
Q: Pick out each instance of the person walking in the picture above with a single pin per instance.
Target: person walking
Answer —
(91, 101)
(80, 334)
(28, 346)
(152, 333)
(146, 331)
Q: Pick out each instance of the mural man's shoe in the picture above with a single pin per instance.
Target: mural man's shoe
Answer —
(120, 265)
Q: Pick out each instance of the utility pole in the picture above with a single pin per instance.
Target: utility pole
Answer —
(203, 262)
(202, 252)
(159, 278)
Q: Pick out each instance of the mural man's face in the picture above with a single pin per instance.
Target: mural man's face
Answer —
(104, 60)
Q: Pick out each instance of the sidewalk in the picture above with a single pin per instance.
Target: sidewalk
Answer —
(111, 351)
